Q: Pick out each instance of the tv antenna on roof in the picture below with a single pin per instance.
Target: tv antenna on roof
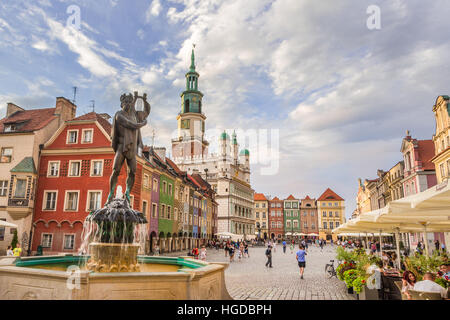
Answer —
(153, 138)
(93, 105)
(74, 94)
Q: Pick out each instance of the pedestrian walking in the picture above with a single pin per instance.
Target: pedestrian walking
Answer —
(269, 256)
(17, 251)
(203, 253)
(275, 246)
(246, 250)
(284, 246)
(231, 252)
(300, 256)
(9, 251)
(292, 247)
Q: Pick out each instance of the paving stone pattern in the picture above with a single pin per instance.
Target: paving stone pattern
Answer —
(249, 279)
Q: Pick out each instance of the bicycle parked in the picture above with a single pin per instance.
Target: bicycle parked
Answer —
(330, 270)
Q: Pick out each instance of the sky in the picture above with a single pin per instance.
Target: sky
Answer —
(332, 96)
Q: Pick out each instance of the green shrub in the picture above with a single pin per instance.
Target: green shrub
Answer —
(15, 239)
(350, 276)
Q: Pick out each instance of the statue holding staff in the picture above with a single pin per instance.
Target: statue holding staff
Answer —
(126, 139)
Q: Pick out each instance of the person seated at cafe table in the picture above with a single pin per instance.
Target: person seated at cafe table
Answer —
(408, 282)
(444, 271)
(428, 285)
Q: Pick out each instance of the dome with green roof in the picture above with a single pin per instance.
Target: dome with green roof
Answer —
(244, 152)
(224, 136)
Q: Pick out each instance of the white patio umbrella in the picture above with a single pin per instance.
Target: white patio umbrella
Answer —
(288, 233)
(313, 235)
(7, 224)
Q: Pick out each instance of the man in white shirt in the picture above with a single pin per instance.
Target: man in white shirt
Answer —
(428, 285)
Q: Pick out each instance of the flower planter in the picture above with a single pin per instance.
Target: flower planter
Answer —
(368, 294)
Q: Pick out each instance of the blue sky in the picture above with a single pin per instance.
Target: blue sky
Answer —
(341, 95)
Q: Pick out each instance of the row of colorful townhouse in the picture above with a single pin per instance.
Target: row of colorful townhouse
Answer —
(294, 218)
(425, 164)
(68, 177)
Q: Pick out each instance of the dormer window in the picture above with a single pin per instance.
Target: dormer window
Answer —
(72, 136)
(87, 135)
(10, 128)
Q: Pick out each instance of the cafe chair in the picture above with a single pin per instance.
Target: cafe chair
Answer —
(422, 295)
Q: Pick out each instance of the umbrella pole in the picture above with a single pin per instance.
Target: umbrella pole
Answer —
(426, 240)
(381, 245)
(397, 243)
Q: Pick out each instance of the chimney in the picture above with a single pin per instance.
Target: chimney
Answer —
(12, 108)
(65, 109)
(161, 152)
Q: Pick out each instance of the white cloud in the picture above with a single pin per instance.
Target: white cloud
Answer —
(153, 10)
(141, 34)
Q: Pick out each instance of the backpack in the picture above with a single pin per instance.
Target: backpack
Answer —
(267, 252)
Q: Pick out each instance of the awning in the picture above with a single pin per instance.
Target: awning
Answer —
(7, 224)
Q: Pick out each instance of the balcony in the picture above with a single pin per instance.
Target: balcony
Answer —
(19, 208)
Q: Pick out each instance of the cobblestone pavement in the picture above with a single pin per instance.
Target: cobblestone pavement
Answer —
(249, 279)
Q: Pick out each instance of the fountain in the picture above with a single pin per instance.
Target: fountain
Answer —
(109, 265)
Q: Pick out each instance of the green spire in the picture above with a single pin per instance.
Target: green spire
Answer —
(234, 138)
(192, 68)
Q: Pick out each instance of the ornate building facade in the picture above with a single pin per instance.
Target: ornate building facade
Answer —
(228, 171)
(331, 209)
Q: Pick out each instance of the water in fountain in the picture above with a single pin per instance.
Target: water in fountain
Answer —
(113, 236)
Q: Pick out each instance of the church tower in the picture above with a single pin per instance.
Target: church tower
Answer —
(190, 143)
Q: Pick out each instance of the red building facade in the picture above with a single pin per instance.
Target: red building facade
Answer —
(74, 170)
(276, 219)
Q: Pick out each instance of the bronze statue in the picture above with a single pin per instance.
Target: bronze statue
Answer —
(126, 139)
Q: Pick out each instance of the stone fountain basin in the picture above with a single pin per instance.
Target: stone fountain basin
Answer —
(161, 278)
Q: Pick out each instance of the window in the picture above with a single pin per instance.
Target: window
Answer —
(264, 225)
(312, 213)
(175, 214)
(6, 155)
(94, 200)
(278, 205)
(329, 204)
(50, 200)
(264, 215)
(97, 168)
(331, 224)
(257, 205)
(263, 205)
(69, 240)
(330, 214)
(3, 188)
(304, 213)
(170, 189)
(2, 231)
(288, 223)
(305, 225)
(288, 205)
(71, 203)
(53, 169)
(280, 225)
(313, 225)
(279, 213)
(324, 204)
(336, 214)
(72, 136)
(257, 215)
(335, 204)
(169, 208)
(155, 185)
(324, 213)
(164, 187)
(442, 168)
(295, 222)
(272, 213)
(163, 211)
(74, 168)
(87, 135)
(273, 224)
(337, 224)
(272, 205)
(46, 240)
(21, 188)
(324, 225)
(144, 208)
(294, 205)
(154, 210)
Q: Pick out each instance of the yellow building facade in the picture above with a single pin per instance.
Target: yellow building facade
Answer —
(331, 210)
